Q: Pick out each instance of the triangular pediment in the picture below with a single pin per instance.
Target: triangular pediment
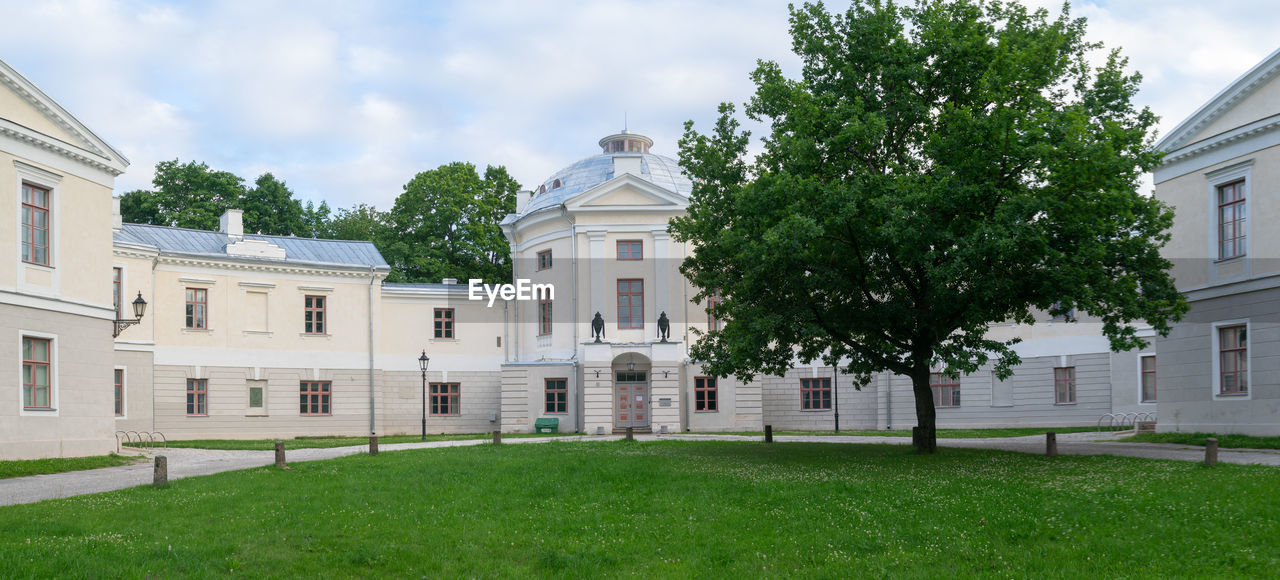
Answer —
(26, 112)
(627, 192)
(1253, 96)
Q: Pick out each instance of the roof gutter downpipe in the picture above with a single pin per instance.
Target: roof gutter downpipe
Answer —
(573, 293)
(373, 277)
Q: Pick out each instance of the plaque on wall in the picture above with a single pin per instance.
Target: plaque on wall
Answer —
(664, 402)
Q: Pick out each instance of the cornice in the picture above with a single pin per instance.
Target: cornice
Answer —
(1224, 101)
(51, 110)
(340, 272)
(22, 134)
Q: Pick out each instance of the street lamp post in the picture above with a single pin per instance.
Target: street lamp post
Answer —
(139, 308)
(422, 363)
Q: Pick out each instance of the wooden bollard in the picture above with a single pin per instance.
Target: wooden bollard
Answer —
(497, 437)
(161, 478)
(631, 435)
(280, 455)
(373, 445)
(1211, 451)
(768, 433)
(1051, 444)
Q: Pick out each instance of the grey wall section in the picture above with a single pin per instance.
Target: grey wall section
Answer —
(781, 397)
(137, 391)
(401, 407)
(1185, 369)
(739, 405)
(83, 358)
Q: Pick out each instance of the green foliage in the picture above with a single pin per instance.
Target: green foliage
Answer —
(936, 169)
(445, 225)
(337, 441)
(187, 195)
(25, 467)
(670, 510)
(361, 222)
(1224, 441)
(270, 208)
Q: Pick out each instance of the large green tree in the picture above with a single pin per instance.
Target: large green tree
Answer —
(187, 195)
(270, 208)
(936, 168)
(445, 225)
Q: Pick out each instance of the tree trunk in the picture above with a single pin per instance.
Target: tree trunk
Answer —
(925, 436)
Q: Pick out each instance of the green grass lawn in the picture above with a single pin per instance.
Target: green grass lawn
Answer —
(324, 442)
(1235, 441)
(25, 467)
(942, 433)
(670, 509)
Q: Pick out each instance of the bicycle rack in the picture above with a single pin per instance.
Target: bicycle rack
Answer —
(136, 440)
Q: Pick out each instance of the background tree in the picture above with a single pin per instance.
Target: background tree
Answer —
(187, 195)
(270, 208)
(445, 225)
(935, 169)
(361, 222)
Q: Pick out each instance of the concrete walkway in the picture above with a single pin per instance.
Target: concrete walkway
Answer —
(194, 462)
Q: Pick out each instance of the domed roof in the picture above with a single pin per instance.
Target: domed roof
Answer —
(586, 174)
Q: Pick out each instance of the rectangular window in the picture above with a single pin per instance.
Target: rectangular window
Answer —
(705, 396)
(630, 250)
(35, 224)
(197, 397)
(197, 308)
(36, 384)
(1148, 379)
(544, 317)
(713, 323)
(1231, 220)
(544, 260)
(1233, 360)
(117, 274)
(815, 394)
(443, 323)
(557, 395)
(946, 389)
(630, 303)
(1064, 385)
(445, 398)
(313, 315)
(257, 396)
(313, 397)
(119, 392)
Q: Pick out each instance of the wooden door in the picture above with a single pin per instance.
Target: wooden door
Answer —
(631, 398)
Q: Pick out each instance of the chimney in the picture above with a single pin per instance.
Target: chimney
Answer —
(117, 221)
(450, 281)
(623, 164)
(232, 223)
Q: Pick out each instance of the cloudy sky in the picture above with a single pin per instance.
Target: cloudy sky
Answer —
(347, 100)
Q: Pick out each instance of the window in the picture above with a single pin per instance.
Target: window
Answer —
(443, 318)
(555, 184)
(197, 397)
(197, 308)
(257, 397)
(713, 322)
(1064, 385)
(37, 390)
(119, 392)
(704, 395)
(946, 389)
(1233, 360)
(815, 394)
(313, 315)
(557, 395)
(35, 224)
(630, 303)
(1068, 316)
(1231, 220)
(313, 398)
(544, 317)
(630, 250)
(544, 260)
(117, 275)
(1148, 394)
(444, 398)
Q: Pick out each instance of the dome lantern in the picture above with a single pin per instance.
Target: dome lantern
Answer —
(625, 142)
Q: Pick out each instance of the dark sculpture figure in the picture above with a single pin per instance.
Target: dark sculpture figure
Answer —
(664, 327)
(597, 327)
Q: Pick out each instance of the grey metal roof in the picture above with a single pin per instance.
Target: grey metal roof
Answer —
(182, 241)
(586, 174)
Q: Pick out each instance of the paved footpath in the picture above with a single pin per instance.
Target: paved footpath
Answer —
(194, 462)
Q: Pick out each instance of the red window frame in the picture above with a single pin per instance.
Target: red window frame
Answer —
(815, 394)
(33, 251)
(446, 399)
(714, 323)
(557, 396)
(1148, 378)
(1231, 220)
(119, 392)
(545, 309)
(32, 385)
(544, 260)
(314, 398)
(443, 323)
(634, 250)
(198, 308)
(1064, 385)
(117, 277)
(946, 389)
(633, 305)
(706, 397)
(1233, 348)
(313, 308)
(197, 397)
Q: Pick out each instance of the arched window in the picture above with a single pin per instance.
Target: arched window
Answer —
(555, 184)
(542, 189)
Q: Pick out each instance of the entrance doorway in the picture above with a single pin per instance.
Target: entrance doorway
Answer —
(631, 394)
